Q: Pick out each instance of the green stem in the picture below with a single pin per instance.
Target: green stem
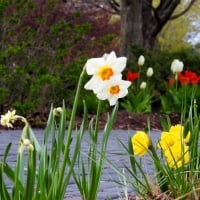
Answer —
(94, 167)
(176, 78)
(70, 129)
(138, 80)
(97, 121)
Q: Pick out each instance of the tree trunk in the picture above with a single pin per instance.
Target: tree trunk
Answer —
(131, 26)
(141, 23)
(149, 25)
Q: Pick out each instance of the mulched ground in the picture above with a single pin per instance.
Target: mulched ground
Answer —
(125, 120)
(135, 121)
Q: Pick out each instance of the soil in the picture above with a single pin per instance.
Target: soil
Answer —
(135, 121)
(124, 121)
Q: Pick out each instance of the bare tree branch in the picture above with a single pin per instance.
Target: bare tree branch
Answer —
(115, 5)
(165, 10)
(183, 11)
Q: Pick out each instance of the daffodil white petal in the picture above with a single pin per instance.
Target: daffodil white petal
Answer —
(113, 101)
(90, 84)
(112, 97)
(123, 93)
(97, 85)
(102, 96)
(94, 64)
(110, 58)
(120, 64)
(117, 63)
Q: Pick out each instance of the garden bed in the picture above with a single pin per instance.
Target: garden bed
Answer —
(135, 121)
(125, 120)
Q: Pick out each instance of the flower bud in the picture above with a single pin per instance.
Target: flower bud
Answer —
(149, 72)
(140, 143)
(143, 85)
(30, 147)
(176, 66)
(141, 60)
(26, 142)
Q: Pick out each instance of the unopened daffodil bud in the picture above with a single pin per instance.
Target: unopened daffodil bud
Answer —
(26, 142)
(140, 143)
(30, 147)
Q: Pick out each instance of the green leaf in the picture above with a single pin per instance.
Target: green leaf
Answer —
(34, 139)
(30, 182)
(165, 122)
(4, 193)
(6, 152)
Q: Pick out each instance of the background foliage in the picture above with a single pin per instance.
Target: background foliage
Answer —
(42, 52)
(44, 46)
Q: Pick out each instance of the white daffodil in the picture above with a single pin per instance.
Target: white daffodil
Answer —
(103, 69)
(8, 119)
(143, 85)
(141, 60)
(5, 121)
(114, 89)
(149, 72)
(176, 66)
(57, 111)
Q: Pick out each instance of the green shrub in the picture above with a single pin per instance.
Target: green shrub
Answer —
(35, 42)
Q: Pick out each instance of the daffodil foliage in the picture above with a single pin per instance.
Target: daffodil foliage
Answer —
(45, 171)
(175, 156)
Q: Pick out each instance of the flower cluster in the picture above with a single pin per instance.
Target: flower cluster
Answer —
(8, 119)
(188, 77)
(172, 143)
(133, 76)
(139, 98)
(174, 146)
(57, 111)
(106, 81)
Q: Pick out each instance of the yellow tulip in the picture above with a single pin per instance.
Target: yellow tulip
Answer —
(140, 143)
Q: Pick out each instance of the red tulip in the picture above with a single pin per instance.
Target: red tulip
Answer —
(171, 82)
(132, 76)
(188, 77)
